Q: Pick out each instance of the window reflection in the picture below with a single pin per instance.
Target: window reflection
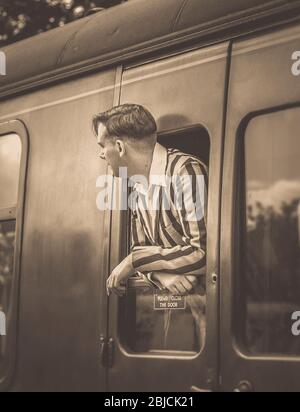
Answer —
(10, 159)
(272, 239)
(148, 329)
(10, 155)
(7, 245)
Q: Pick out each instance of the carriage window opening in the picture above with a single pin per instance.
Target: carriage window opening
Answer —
(10, 156)
(144, 328)
(10, 159)
(269, 290)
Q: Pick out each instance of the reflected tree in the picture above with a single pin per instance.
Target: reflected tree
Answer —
(272, 277)
(7, 244)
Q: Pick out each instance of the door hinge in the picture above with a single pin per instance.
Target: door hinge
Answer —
(106, 352)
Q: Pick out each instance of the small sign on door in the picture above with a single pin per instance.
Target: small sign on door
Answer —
(164, 300)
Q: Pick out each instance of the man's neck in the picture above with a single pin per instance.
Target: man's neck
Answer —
(142, 165)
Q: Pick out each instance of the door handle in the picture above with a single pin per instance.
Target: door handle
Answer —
(243, 386)
(102, 349)
(106, 351)
(196, 389)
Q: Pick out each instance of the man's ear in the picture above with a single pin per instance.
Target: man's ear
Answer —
(121, 147)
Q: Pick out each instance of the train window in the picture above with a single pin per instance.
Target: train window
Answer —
(7, 242)
(144, 323)
(10, 172)
(10, 155)
(269, 287)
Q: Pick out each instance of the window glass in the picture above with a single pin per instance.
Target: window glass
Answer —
(7, 245)
(152, 321)
(10, 156)
(10, 159)
(270, 269)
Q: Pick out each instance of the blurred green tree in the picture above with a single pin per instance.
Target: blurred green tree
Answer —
(24, 18)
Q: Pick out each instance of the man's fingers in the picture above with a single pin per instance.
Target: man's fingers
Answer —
(113, 285)
(176, 289)
(181, 288)
(192, 279)
(187, 284)
(110, 283)
(116, 283)
(113, 282)
(172, 289)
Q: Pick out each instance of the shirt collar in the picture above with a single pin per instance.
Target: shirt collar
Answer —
(157, 174)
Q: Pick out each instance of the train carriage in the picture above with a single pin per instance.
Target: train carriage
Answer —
(222, 81)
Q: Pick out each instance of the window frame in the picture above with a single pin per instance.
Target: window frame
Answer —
(239, 234)
(125, 232)
(14, 212)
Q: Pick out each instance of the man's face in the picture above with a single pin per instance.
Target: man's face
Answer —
(109, 149)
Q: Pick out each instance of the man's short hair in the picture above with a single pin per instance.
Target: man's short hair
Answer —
(131, 120)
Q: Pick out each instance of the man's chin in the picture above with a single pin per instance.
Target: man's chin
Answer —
(111, 171)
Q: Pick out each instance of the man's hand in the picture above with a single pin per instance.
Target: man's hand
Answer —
(176, 284)
(116, 281)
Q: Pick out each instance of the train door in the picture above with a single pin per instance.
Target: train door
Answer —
(186, 95)
(260, 237)
(56, 316)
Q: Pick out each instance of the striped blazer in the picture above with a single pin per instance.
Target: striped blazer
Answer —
(168, 219)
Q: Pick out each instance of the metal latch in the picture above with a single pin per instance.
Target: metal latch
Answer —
(243, 386)
(106, 351)
(196, 389)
